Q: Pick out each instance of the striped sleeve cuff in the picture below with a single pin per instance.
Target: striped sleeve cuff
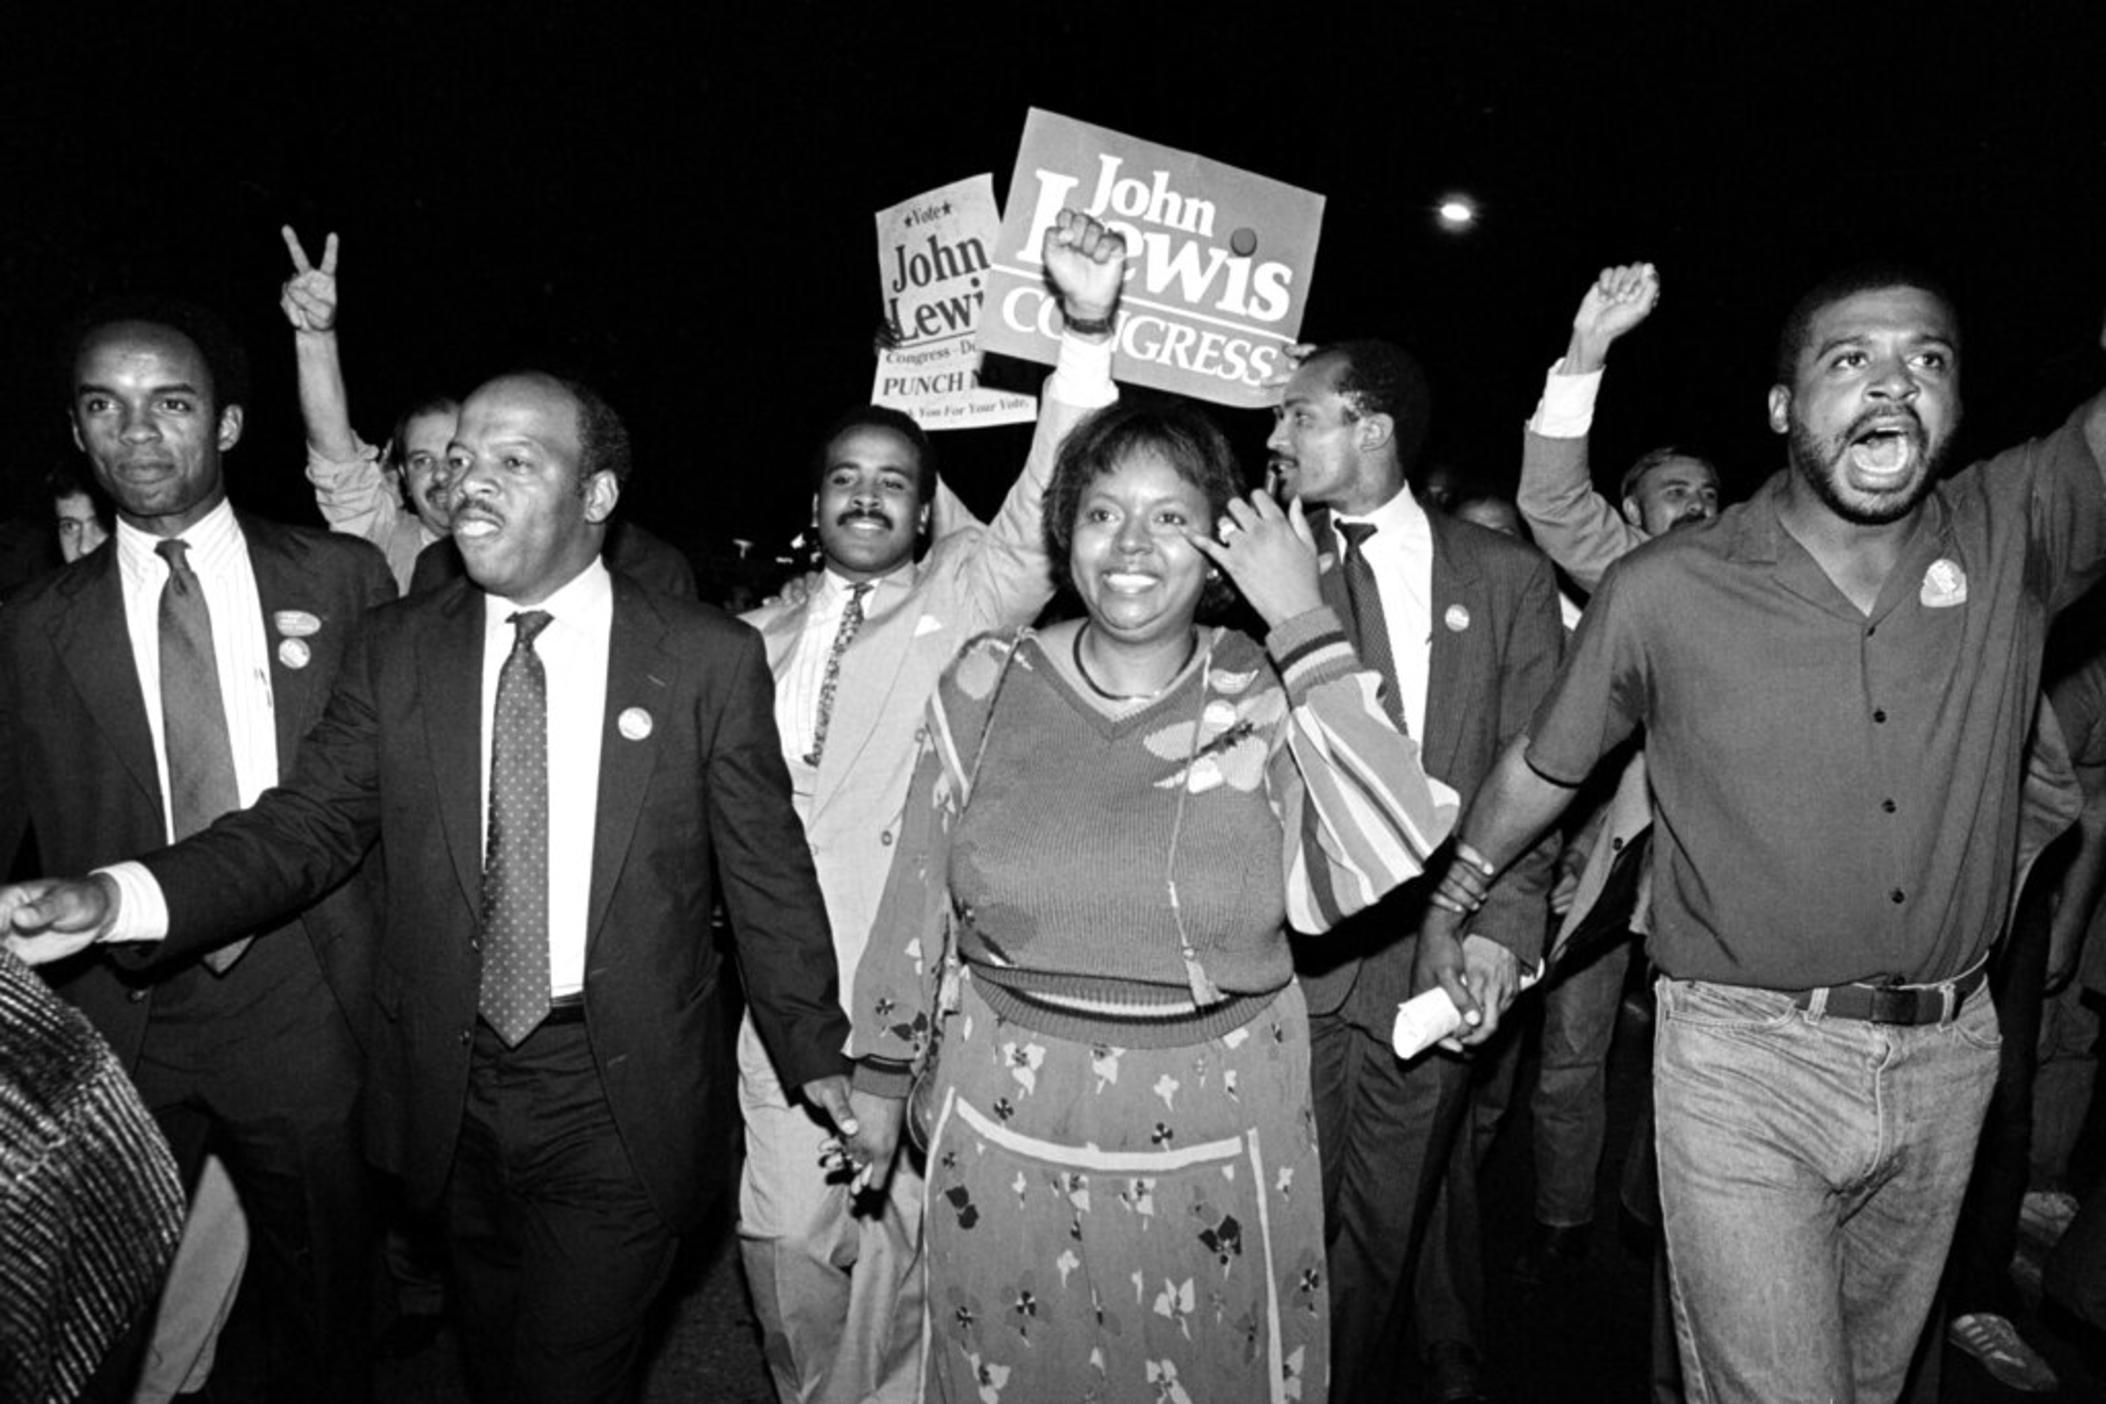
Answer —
(882, 1078)
(1310, 649)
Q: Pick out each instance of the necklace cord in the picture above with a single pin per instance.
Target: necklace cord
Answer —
(1082, 670)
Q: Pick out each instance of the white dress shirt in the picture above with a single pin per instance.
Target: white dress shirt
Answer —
(220, 558)
(573, 652)
(1401, 555)
(1566, 410)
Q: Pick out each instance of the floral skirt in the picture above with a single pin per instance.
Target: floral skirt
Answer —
(1125, 1224)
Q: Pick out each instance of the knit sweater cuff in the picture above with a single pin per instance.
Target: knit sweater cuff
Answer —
(1310, 649)
(882, 1079)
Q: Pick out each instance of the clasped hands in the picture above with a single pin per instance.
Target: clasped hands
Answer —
(1479, 975)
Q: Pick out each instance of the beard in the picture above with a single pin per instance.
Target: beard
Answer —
(1824, 464)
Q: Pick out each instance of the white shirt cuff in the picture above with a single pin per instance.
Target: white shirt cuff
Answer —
(1566, 410)
(1082, 375)
(142, 912)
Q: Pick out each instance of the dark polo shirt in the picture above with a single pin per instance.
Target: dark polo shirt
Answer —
(1837, 794)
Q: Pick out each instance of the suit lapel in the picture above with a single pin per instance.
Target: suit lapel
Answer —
(1449, 674)
(450, 674)
(295, 700)
(639, 675)
(93, 644)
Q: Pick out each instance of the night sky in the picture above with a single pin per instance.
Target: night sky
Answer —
(677, 207)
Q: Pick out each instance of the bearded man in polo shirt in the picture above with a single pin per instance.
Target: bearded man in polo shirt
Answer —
(1836, 683)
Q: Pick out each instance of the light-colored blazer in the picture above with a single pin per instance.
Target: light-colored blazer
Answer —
(973, 579)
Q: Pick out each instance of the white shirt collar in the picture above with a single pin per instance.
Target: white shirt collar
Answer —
(210, 538)
(1401, 520)
(584, 598)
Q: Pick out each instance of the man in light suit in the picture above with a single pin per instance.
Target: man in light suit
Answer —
(1464, 626)
(544, 1062)
(255, 1058)
(836, 1278)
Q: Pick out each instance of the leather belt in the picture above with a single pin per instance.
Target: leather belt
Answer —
(566, 1009)
(1896, 1004)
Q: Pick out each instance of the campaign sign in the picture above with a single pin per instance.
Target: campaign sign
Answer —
(933, 257)
(1217, 260)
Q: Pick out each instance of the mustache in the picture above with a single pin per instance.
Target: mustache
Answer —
(1885, 419)
(865, 514)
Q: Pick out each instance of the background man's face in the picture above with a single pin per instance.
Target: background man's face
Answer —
(80, 531)
(1676, 493)
(869, 506)
(1315, 438)
(1874, 403)
(524, 523)
(144, 414)
(424, 441)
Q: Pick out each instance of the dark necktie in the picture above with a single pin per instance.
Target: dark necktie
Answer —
(1364, 603)
(514, 941)
(201, 784)
(851, 620)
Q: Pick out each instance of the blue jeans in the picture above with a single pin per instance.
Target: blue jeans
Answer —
(1811, 1169)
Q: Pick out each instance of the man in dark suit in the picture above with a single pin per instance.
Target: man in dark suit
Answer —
(1463, 624)
(547, 1057)
(251, 1051)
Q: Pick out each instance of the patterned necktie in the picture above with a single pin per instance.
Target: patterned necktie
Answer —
(201, 784)
(851, 620)
(514, 938)
(1364, 601)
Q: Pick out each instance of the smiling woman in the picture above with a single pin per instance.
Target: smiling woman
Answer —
(1123, 1093)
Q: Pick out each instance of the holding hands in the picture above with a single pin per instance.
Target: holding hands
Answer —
(309, 296)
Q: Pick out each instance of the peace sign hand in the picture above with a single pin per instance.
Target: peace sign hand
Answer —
(309, 296)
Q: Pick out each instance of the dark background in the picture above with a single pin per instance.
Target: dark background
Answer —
(677, 205)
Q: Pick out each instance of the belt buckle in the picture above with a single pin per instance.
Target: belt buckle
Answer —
(1898, 1004)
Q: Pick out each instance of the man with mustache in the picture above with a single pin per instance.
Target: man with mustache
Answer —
(836, 1276)
(1836, 681)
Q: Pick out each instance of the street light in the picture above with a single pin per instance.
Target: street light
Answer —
(1457, 213)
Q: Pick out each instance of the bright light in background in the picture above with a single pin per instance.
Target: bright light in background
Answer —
(1457, 212)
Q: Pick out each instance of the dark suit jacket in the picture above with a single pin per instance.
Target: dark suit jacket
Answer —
(652, 563)
(1497, 642)
(690, 770)
(77, 758)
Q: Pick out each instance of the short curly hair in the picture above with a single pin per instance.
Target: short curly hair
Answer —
(1381, 377)
(1190, 442)
(1842, 285)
